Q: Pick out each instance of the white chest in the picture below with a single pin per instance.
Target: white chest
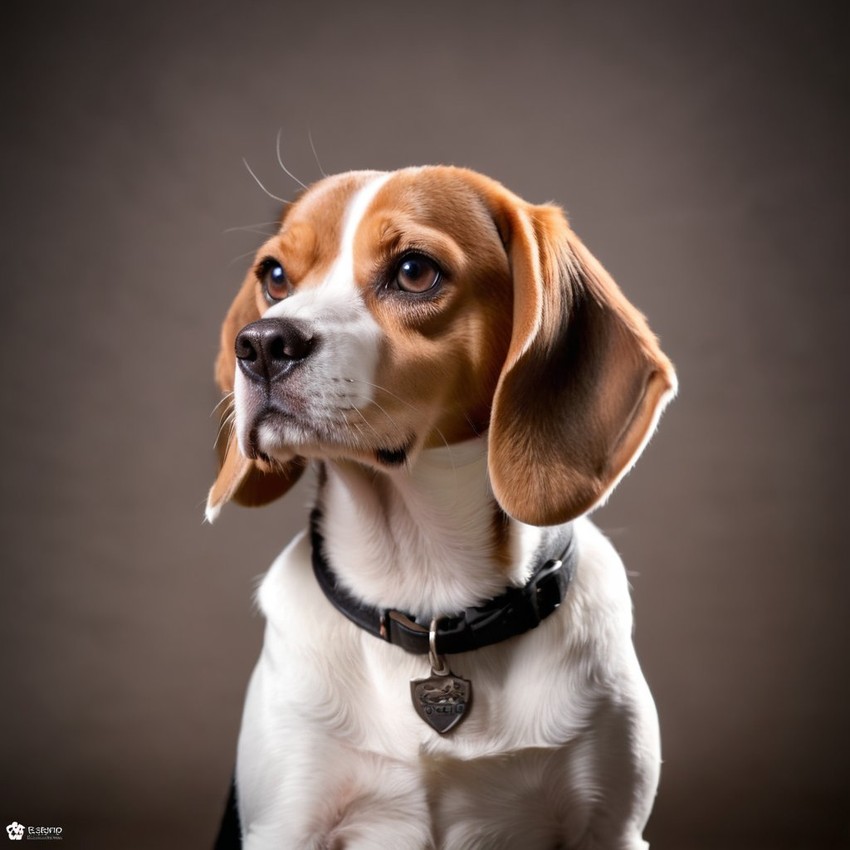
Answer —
(329, 716)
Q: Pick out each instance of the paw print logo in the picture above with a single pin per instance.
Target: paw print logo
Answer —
(15, 831)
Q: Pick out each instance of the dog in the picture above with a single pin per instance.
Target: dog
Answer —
(447, 660)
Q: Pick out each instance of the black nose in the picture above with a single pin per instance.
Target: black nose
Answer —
(268, 349)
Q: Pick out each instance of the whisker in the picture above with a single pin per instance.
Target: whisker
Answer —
(242, 256)
(313, 148)
(249, 230)
(260, 184)
(392, 421)
(250, 227)
(382, 389)
(280, 162)
(226, 422)
(366, 422)
(225, 398)
(218, 436)
(446, 444)
(472, 425)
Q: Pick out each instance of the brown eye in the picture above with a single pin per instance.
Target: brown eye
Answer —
(273, 279)
(416, 273)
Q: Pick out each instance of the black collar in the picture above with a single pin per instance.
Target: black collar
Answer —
(516, 611)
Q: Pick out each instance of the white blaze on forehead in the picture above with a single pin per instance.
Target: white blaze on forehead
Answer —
(342, 274)
(338, 295)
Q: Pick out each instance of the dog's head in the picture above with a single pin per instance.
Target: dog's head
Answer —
(401, 311)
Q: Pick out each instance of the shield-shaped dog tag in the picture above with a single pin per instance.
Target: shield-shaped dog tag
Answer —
(441, 700)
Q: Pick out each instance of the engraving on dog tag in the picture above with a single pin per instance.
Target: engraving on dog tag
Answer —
(442, 700)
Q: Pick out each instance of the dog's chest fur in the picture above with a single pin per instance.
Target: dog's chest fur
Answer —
(330, 737)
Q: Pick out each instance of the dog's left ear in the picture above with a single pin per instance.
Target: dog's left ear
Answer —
(584, 382)
(245, 481)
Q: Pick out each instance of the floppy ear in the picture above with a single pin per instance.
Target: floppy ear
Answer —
(584, 381)
(245, 481)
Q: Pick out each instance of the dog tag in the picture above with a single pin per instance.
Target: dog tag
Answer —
(442, 699)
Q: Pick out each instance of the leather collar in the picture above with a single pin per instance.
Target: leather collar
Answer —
(514, 612)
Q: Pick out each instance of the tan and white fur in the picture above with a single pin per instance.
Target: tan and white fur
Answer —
(456, 405)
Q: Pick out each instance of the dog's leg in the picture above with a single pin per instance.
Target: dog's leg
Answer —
(349, 811)
(371, 804)
(627, 764)
(318, 793)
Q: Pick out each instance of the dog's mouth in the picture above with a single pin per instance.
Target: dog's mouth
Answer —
(260, 423)
(275, 434)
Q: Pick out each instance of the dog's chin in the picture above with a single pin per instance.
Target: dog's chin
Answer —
(277, 440)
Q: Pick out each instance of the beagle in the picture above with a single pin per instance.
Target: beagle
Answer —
(448, 659)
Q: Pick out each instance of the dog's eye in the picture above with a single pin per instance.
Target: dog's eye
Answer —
(273, 279)
(416, 273)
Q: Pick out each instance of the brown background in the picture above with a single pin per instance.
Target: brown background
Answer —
(701, 151)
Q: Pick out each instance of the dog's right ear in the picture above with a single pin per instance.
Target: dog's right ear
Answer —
(245, 481)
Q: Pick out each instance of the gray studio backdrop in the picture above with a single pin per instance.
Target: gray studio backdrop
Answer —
(701, 152)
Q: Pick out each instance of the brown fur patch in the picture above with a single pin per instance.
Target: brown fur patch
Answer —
(444, 353)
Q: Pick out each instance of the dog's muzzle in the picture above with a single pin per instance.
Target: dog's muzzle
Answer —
(271, 348)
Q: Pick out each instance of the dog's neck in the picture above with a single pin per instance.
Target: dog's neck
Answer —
(428, 539)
